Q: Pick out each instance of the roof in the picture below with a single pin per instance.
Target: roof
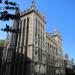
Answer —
(32, 9)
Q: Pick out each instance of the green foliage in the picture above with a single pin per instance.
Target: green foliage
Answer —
(1, 42)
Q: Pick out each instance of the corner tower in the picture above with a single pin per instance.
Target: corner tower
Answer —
(31, 41)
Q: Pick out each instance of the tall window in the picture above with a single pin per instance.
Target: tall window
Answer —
(36, 28)
(56, 52)
(27, 33)
(36, 31)
(48, 47)
(23, 32)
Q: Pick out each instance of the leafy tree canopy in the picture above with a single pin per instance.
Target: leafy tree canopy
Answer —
(1, 42)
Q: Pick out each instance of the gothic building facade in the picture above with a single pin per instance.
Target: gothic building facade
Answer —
(33, 51)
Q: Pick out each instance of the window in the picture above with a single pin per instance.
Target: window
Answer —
(56, 52)
(36, 52)
(23, 32)
(36, 27)
(48, 47)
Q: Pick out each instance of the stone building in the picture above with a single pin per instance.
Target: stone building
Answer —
(32, 51)
(55, 52)
(50, 49)
(68, 63)
(56, 35)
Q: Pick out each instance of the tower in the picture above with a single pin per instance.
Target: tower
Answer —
(27, 55)
(31, 41)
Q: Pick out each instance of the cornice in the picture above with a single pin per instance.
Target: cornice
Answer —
(31, 11)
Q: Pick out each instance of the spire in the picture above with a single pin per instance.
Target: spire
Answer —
(33, 5)
(18, 10)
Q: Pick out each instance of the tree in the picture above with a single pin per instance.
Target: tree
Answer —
(0, 1)
(5, 15)
(1, 42)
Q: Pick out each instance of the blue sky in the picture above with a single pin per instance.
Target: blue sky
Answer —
(59, 14)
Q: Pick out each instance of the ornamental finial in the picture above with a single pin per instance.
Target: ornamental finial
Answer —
(33, 4)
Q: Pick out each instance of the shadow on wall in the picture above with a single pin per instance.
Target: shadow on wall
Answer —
(69, 71)
(1, 51)
(19, 65)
